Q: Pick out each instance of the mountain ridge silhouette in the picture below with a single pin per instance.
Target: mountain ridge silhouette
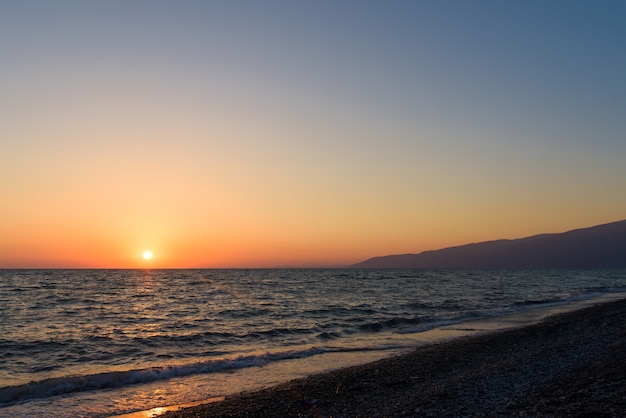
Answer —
(600, 246)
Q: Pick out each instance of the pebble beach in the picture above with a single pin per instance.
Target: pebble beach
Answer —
(568, 365)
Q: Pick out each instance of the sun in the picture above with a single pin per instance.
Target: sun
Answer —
(147, 255)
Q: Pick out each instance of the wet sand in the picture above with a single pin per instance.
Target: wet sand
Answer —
(568, 365)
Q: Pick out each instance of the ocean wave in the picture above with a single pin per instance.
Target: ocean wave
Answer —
(131, 324)
(388, 323)
(329, 335)
(562, 299)
(427, 326)
(61, 385)
(338, 311)
(520, 306)
(244, 313)
(547, 302)
(10, 395)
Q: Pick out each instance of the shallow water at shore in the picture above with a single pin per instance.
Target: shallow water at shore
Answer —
(150, 339)
(569, 364)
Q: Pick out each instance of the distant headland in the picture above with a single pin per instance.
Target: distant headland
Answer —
(601, 246)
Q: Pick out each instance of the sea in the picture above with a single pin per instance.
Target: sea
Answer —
(100, 343)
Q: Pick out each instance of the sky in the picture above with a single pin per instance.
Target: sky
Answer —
(319, 133)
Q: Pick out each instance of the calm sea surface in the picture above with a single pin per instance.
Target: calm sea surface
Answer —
(105, 342)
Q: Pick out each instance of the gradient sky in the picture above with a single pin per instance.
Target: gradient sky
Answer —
(256, 134)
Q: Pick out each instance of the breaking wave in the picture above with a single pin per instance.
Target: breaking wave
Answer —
(62, 385)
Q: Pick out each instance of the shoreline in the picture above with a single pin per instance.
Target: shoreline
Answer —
(567, 364)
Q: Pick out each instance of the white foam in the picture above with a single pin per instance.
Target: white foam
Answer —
(63, 385)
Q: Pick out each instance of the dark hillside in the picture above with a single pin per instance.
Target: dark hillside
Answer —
(602, 246)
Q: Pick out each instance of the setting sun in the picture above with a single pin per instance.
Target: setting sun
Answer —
(147, 255)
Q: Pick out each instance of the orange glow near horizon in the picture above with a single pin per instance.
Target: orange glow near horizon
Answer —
(223, 251)
(244, 139)
(264, 219)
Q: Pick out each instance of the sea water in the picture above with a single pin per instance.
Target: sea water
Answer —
(105, 342)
